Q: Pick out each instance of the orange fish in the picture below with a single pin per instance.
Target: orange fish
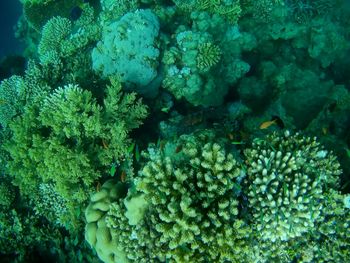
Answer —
(267, 124)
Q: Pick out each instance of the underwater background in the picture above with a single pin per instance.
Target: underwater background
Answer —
(175, 131)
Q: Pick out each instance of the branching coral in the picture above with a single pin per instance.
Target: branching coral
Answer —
(69, 140)
(190, 206)
(66, 46)
(228, 9)
(287, 179)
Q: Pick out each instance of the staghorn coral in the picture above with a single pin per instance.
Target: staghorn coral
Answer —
(288, 176)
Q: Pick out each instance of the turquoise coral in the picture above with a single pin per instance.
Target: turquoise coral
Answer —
(129, 49)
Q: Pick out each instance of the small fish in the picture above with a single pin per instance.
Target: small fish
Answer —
(275, 120)
(137, 153)
(230, 136)
(98, 187)
(324, 130)
(267, 124)
(105, 145)
(165, 109)
(113, 169)
(161, 144)
(237, 143)
(347, 150)
(77, 212)
(285, 189)
(123, 176)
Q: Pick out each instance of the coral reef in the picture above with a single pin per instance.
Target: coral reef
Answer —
(188, 131)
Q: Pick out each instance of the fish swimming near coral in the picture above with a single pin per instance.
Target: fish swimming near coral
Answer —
(267, 124)
(275, 120)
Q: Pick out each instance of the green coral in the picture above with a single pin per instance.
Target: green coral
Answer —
(48, 203)
(208, 56)
(194, 202)
(17, 92)
(21, 233)
(7, 193)
(115, 9)
(228, 9)
(11, 94)
(97, 234)
(39, 12)
(65, 46)
(68, 139)
(190, 206)
(191, 63)
(54, 32)
(288, 177)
